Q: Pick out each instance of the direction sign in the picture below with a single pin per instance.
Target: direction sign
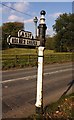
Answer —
(25, 34)
(22, 41)
(24, 38)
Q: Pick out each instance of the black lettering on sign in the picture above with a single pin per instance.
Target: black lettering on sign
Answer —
(30, 42)
(20, 40)
(24, 34)
(34, 42)
(14, 40)
(23, 41)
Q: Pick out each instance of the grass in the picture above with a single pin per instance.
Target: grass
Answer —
(21, 57)
(17, 51)
(63, 109)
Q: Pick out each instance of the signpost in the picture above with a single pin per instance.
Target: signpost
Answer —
(24, 38)
(22, 41)
(25, 34)
(42, 29)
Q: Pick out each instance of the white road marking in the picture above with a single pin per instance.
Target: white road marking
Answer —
(34, 76)
(17, 79)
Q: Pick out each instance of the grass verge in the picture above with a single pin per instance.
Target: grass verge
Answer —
(63, 109)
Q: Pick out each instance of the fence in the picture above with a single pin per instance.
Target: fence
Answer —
(19, 61)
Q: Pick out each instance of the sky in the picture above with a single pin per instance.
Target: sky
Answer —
(32, 9)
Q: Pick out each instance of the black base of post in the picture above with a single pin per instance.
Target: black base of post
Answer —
(39, 110)
(39, 113)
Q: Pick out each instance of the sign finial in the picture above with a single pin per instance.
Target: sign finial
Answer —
(42, 12)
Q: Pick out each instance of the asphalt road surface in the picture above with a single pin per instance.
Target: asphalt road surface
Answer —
(19, 88)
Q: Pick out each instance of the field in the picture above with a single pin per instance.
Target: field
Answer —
(22, 57)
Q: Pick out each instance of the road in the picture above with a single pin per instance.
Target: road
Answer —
(19, 88)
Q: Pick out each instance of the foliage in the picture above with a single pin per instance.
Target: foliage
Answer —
(50, 43)
(63, 108)
(10, 28)
(64, 27)
(21, 57)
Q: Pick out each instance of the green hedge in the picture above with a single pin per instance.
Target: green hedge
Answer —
(19, 61)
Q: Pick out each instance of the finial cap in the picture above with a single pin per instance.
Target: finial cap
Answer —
(42, 12)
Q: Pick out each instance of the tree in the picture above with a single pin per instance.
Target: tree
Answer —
(10, 28)
(64, 28)
(49, 43)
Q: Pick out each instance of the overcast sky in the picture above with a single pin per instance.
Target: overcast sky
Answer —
(53, 10)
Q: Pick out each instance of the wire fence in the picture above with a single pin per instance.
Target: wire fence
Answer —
(20, 61)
